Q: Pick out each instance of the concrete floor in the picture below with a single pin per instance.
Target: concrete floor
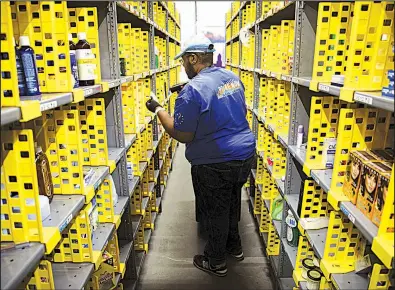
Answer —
(175, 240)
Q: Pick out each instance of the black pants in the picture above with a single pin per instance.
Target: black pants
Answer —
(218, 204)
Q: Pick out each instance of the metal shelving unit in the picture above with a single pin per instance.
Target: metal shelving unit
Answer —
(305, 14)
(71, 275)
(19, 263)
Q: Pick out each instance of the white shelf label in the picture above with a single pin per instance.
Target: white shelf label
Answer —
(48, 106)
(347, 213)
(88, 92)
(323, 88)
(295, 80)
(315, 178)
(66, 222)
(363, 99)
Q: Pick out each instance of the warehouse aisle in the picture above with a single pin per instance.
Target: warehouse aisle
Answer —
(175, 241)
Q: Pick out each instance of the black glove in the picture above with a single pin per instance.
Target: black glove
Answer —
(152, 105)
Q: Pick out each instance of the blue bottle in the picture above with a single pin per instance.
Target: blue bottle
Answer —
(29, 67)
(20, 73)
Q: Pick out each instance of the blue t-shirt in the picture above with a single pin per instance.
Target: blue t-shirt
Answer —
(213, 106)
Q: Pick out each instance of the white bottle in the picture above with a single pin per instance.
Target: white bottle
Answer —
(299, 138)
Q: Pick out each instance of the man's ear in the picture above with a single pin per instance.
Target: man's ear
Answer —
(193, 59)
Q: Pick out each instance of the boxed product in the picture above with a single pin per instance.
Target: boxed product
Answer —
(329, 151)
(382, 190)
(353, 175)
(384, 155)
(93, 216)
(391, 152)
(104, 277)
(371, 175)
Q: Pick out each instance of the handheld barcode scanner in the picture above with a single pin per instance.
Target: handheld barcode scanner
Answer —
(178, 87)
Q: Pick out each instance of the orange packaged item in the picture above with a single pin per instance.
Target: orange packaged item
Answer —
(382, 191)
(353, 175)
(384, 155)
(44, 176)
(370, 179)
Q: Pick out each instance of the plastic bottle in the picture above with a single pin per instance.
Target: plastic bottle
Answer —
(85, 61)
(292, 230)
(73, 62)
(29, 67)
(299, 138)
(19, 70)
(44, 176)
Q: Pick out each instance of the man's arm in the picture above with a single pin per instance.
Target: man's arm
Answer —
(168, 123)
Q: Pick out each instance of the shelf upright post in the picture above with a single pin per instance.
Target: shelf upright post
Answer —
(131, 267)
(231, 54)
(257, 62)
(226, 44)
(151, 39)
(108, 33)
(240, 45)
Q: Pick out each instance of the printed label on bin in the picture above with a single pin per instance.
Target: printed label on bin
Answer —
(48, 106)
(363, 99)
(323, 88)
(347, 213)
(65, 223)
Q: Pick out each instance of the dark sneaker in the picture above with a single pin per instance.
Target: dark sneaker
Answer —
(202, 263)
(238, 256)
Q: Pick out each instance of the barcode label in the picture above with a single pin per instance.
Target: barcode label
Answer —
(66, 222)
(347, 213)
(363, 99)
(48, 106)
(323, 88)
(88, 92)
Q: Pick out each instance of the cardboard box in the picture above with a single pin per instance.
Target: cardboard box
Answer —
(353, 175)
(384, 155)
(382, 191)
(372, 173)
(104, 277)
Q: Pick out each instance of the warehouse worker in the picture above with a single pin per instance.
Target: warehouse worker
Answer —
(210, 117)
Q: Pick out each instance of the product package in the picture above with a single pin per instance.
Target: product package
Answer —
(113, 189)
(93, 216)
(104, 277)
(44, 176)
(329, 151)
(353, 175)
(292, 230)
(277, 208)
(371, 175)
(382, 191)
(384, 155)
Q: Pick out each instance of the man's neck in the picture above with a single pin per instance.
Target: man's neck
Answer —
(202, 67)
